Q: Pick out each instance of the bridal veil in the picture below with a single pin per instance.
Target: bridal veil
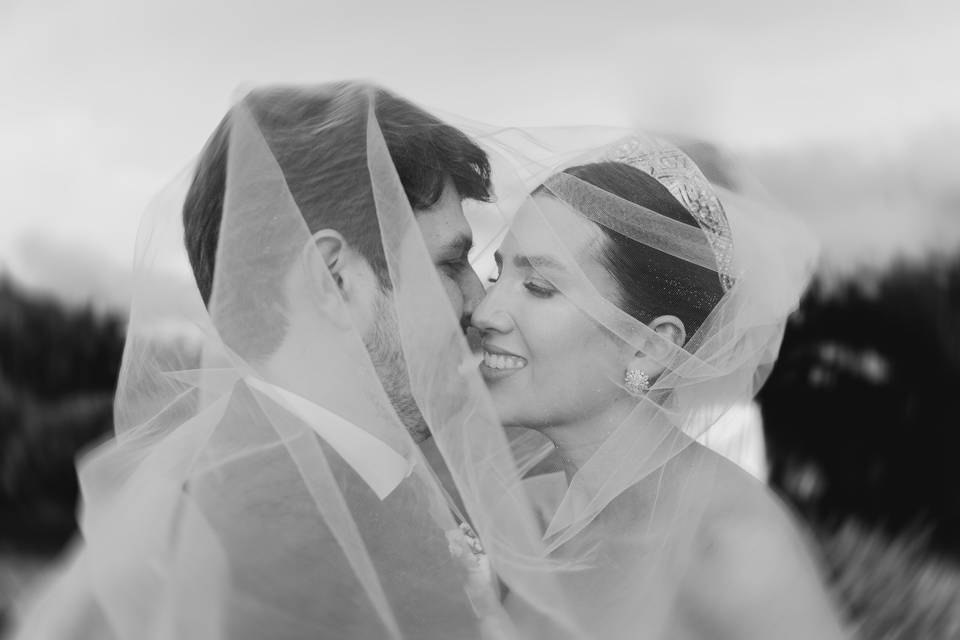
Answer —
(242, 498)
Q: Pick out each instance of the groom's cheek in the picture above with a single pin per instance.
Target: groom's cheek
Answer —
(473, 339)
(453, 293)
(473, 292)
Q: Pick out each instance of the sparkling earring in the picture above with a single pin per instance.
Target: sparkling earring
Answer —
(636, 381)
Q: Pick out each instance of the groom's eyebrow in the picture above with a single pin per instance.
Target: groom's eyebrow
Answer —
(458, 247)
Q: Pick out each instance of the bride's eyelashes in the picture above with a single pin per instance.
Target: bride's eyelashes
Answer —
(534, 288)
(538, 290)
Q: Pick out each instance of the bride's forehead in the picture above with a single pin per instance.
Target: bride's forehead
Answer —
(543, 222)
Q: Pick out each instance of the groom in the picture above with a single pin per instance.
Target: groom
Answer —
(438, 167)
(310, 134)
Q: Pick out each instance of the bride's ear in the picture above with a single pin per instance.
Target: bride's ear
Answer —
(650, 359)
(671, 331)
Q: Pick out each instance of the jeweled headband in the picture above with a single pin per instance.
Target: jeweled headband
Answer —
(680, 175)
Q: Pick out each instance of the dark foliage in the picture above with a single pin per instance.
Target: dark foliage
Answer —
(861, 410)
(53, 351)
(58, 368)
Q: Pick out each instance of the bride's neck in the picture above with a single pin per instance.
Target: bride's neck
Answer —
(577, 441)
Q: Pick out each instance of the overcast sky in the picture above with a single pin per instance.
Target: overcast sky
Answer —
(104, 101)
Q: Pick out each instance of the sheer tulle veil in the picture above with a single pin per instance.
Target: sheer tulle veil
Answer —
(249, 492)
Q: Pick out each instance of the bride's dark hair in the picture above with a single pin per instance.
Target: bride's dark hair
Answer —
(651, 283)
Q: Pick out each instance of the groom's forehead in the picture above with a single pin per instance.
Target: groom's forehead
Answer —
(446, 233)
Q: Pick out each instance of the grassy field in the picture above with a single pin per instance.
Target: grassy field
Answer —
(893, 589)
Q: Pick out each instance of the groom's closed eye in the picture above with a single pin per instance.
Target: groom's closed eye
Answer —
(454, 256)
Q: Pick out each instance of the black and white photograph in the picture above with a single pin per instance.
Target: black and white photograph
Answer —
(497, 321)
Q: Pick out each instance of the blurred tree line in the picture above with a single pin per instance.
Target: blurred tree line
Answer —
(58, 369)
(862, 421)
(862, 411)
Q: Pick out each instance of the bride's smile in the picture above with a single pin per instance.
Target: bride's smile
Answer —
(498, 362)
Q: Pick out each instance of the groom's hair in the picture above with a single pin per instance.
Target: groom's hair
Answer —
(318, 137)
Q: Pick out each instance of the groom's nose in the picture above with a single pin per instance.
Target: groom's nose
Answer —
(472, 295)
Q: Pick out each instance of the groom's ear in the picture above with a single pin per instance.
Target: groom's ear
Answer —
(335, 275)
(347, 282)
(331, 250)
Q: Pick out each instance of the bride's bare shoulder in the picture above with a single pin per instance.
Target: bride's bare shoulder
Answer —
(752, 573)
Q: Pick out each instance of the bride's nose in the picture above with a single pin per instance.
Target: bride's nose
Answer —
(490, 315)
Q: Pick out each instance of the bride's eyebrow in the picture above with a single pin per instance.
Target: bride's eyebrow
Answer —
(538, 262)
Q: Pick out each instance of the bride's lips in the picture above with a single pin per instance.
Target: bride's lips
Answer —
(499, 363)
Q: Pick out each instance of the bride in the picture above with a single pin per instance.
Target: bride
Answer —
(628, 312)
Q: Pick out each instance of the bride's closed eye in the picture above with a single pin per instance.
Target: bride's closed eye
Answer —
(539, 290)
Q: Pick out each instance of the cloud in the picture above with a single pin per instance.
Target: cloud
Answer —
(76, 275)
(82, 276)
(869, 201)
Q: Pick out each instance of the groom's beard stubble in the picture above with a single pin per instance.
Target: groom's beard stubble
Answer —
(386, 351)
